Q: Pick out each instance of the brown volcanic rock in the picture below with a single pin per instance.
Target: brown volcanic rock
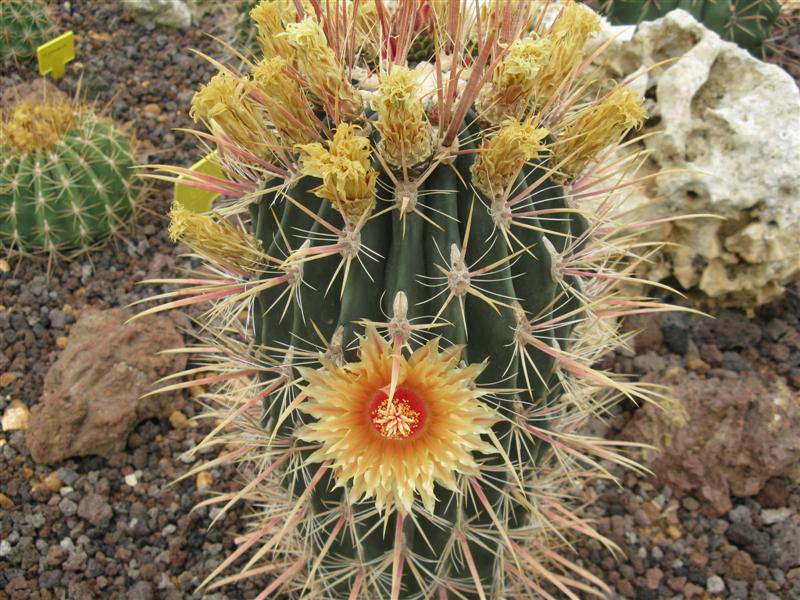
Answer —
(92, 394)
(739, 432)
(39, 91)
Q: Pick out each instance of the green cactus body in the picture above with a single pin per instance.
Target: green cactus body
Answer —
(69, 195)
(410, 251)
(419, 276)
(24, 25)
(747, 23)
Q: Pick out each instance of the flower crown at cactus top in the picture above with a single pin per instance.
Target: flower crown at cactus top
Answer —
(411, 269)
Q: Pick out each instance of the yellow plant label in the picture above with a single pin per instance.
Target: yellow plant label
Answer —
(55, 54)
(195, 199)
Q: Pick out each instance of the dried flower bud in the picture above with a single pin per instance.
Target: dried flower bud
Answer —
(270, 17)
(596, 127)
(348, 179)
(32, 126)
(215, 238)
(514, 81)
(325, 76)
(367, 30)
(503, 155)
(224, 100)
(406, 137)
(285, 101)
(567, 37)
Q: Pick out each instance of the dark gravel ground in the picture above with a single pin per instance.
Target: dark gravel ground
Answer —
(115, 528)
(672, 548)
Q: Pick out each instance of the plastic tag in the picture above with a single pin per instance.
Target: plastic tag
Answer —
(55, 54)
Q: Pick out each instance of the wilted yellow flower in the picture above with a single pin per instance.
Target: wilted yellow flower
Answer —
(224, 100)
(31, 126)
(270, 17)
(406, 135)
(503, 155)
(215, 238)
(514, 81)
(391, 448)
(348, 179)
(596, 127)
(285, 101)
(567, 37)
(317, 63)
(368, 30)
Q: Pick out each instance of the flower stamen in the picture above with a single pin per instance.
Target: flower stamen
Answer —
(400, 417)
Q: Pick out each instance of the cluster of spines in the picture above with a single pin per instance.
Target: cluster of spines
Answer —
(315, 189)
(24, 25)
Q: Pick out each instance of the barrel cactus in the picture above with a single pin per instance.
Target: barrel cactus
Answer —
(66, 179)
(410, 275)
(748, 23)
(24, 25)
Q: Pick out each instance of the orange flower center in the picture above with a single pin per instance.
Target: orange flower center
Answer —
(400, 418)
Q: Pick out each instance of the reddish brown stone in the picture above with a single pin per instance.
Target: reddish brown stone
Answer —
(92, 395)
(736, 434)
(774, 494)
(36, 92)
(653, 578)
(741, 567)
(676, 584)
(648, 336)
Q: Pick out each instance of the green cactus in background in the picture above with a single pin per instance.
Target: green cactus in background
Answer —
(24, 25)
(747, 23)
(411, 273)
(66, 179)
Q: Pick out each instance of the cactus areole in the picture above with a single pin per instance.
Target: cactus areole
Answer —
(411, 270)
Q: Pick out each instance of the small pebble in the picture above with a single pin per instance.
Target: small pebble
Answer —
(15, 417)
(178, 420)
(52, 482)
(690, 504)
(204, 480)
(67, 507)
(770, 516)
(715, 585)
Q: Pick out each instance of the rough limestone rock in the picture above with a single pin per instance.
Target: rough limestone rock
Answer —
(734, 121)
(92, 394)
(170, 13)
(738, 433)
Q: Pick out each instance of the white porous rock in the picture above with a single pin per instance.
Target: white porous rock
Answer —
(170, 13)
(733, 122)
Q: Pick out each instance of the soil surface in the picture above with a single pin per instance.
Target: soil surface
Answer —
(119, 528)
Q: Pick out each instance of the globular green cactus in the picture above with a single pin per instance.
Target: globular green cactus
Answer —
(747, 23)
(24, 25)
(66, 178)
(411, 274)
